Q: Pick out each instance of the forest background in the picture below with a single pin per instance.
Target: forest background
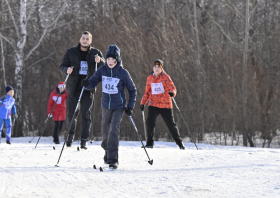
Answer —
(222, 56)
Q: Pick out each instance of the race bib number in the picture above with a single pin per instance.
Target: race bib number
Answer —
(157, 88)
(83, 68)
(109, 85)
(9, 104)
(58, 101)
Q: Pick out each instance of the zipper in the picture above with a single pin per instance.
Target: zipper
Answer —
(121, 97)
(109, 94)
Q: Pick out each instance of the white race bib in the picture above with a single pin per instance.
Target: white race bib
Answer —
(109, 85)
(83, 68)
(58, 101)
(9, 104)
(157, 88)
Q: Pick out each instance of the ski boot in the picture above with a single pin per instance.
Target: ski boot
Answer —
(84, 144)
(69, 140)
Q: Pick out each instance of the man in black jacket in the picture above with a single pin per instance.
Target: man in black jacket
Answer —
(79, 62)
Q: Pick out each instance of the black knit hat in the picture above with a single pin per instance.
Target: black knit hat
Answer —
(9, 88)
(159, 61)
(114, 52)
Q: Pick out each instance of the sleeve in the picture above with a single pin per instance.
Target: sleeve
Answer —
(171, 86)
(50, 104)
(131, 88)
(65, 63)
(14, 110)
(94, 80)
(102, 60)
(147, 93)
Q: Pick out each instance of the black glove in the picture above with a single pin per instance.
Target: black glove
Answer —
(84, 82)
(171, 94)
(128, 111)
(142, 107)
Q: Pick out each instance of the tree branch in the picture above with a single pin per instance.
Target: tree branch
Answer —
(45, 31)
(8, 40)
(36, 63)
(31, 11)
(222, 30)
(13, 19)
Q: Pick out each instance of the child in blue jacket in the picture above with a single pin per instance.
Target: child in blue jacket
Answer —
(7, 108)
(114, 80)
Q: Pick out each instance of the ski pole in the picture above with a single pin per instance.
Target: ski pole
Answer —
(13, 123)
(184, 121)
(143, 114)
(93, 109)
(150, 161)
(39, 129)
(50, 115)
(69, 127)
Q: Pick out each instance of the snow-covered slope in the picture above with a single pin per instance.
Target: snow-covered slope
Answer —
(211, 171)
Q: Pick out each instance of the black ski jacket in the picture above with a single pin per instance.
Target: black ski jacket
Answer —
(71, 58)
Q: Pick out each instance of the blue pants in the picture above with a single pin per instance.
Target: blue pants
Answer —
(8, 123)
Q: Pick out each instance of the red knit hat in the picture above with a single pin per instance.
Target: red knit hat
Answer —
(61, 84)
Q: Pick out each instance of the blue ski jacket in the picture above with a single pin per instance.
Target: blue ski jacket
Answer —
(7, 107)
(117, 100)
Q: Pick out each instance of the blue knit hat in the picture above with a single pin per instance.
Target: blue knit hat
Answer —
(9, 88)
(114, 52)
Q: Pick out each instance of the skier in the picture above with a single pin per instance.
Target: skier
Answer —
(83, 58)
(7, 107)
(59, 111)
(159, 90)
(114, 79)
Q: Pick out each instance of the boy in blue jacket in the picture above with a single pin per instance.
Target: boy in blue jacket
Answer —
(114, 79)
(7, 107)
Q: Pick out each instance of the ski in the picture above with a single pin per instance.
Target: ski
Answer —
(103, 168)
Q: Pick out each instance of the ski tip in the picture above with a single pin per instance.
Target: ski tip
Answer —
(101, 169)
(151, 162)
(53, 148)
(78, 148)
(94, 166)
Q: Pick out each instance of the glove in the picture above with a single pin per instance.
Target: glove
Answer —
(128, 111)
(50, 115)
(171, 94)
(142, 107)
(84, 82)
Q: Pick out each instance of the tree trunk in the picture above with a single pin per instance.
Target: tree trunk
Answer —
(3, 62)
(244, 81)
(199, 75)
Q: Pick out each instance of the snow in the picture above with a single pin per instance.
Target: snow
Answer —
(211, 171)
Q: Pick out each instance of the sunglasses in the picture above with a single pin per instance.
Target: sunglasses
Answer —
(156, 64)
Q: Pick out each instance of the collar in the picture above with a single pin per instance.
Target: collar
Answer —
(78, 47)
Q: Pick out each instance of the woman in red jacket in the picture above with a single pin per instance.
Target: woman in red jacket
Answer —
(59, 112)
(159, 90)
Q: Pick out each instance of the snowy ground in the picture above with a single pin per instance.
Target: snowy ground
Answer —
(211, 171)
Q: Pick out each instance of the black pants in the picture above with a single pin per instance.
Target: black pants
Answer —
(110, 128)
(57, 128)
(167, 115)
(85, 106)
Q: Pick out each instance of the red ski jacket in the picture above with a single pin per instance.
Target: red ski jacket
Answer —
(59, 112)
(157, 89)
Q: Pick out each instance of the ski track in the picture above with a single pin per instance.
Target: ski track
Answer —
(211, 171)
